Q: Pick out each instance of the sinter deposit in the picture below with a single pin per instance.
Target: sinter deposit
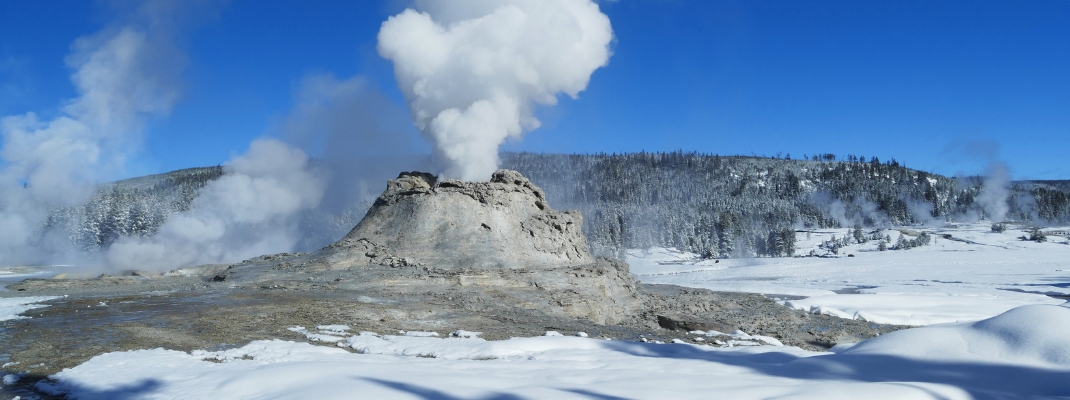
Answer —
(504, 223)
(499, 234)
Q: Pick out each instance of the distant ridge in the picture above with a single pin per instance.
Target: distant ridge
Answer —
(148, 181)
(716, 206)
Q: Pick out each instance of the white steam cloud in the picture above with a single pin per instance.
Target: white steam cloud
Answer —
(993, 200)
(253, 209)
(274, 198)
(995, 191)
(473, 71)
(356, 133)
(123, 75)
(359, 139)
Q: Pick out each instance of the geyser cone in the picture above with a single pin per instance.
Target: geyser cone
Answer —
(504, 223)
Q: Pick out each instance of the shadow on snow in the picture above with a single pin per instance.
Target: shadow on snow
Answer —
(980, 380)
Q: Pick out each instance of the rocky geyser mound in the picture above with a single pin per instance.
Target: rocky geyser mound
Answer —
(504, 223)
(500, 237)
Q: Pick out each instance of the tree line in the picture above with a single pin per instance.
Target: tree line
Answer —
(715, 206)
(739, 206)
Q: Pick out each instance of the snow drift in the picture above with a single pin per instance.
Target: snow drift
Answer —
(1021, 353)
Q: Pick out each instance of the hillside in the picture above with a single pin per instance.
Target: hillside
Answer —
(131, 207)
(732, 206)
(715, 206)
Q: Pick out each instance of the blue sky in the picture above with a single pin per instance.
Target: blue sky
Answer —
(941, 86)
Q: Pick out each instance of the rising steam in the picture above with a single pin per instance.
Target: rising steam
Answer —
(359, 139)
(473, 74)
(995, 192)
(124, 75)
(473, 71)
(274, 198)
(252, 210)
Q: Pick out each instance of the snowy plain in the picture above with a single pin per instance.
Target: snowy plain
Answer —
(995, 327)
(966, 274)
(1009, 356)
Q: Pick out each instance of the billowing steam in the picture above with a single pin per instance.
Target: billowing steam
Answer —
(359, 139)
(274, 198)
(473, 74)
(473, 71)
(123, 76)
(995, 192)
(993, 200)
(253, 209)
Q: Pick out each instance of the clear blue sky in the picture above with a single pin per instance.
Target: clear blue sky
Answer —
(941, 86)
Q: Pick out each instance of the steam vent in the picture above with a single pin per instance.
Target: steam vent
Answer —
(504, 223)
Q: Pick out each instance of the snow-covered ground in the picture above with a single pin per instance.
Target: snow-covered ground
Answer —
(1022, 353)
(992, 333)
(972, 275)
(10, 308)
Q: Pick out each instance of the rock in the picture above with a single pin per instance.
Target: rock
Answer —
(503, 223)
(689, 323)
(410, 182)
(498, 237)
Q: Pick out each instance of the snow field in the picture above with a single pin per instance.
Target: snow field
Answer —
(1021, 353)
(918, 305)
(991, 330)
(967, 273)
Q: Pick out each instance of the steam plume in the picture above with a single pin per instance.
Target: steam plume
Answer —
(252, 209)
(359, 138)
(275, 198)
(995, 191)
(473, 71)
(123, 74)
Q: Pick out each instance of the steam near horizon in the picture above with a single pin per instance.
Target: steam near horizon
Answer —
(124, 75)
(473, 72)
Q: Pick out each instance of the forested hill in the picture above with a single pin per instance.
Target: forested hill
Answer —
(730, 206)
(718, 206)
(131, 207)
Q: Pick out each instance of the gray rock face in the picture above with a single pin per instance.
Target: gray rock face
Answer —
(499, 236)
(504, 223)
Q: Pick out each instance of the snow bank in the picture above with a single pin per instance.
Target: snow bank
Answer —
(324, 335)
(11, 307)
(919, 305)
(556, 367)
(1024, 352)
(1034, 336)
(467, 348)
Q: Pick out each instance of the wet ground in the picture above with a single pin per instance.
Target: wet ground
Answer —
(118, 313)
